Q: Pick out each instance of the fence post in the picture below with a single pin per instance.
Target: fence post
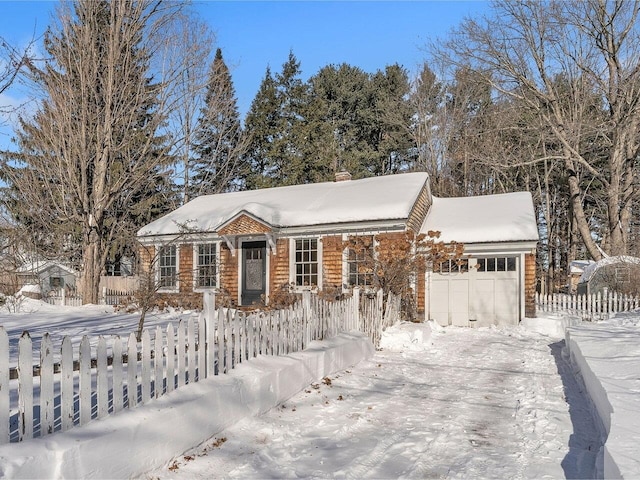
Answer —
(66, 384)
(4, 386)
(171, 358)
(102, 382)
(132, 371)
(356, 307)
(85, 380)
(25, 387)
(158, 381)
(116, 369)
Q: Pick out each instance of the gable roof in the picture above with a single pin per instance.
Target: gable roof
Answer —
(507, 217)
(40, 266)
(390, 197)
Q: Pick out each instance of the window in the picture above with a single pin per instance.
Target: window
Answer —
(167, 267)
(460, 265)
(498, 264)
(359, 265)
(56, 282)
(206, 265)
(306, 262)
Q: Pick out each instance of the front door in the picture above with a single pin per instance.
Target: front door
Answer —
(253, 272)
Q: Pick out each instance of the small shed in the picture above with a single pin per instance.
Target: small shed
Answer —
(619, 274)
(576, 269)
(50, 275)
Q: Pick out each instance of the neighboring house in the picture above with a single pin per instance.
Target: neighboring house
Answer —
(252, 243)
(576, 269)
(619, 274)
(51, 276)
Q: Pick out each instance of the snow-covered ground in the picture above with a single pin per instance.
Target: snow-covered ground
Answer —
(434, 402)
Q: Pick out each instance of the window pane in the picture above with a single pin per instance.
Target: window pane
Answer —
(491, 264)
(207, 265)
(511, 264)
(482, 264)
(306, 261)
(501, 265)
(167, 270)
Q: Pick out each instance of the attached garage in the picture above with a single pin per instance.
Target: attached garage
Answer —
(488, 285)
(485, 293)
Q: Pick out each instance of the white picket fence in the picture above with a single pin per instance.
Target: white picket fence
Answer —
(104, 376)
(592, 307)
(108, 297)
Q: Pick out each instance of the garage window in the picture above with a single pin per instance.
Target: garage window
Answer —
(497, 264)
(460, 265)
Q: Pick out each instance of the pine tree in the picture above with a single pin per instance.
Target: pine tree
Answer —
(275, 125)
(91, 166)
(220, 144)
(261, 126)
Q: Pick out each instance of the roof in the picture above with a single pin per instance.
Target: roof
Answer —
(508, 217)
(39, 266)
(591, 269)
(372, 199)
(578, 266)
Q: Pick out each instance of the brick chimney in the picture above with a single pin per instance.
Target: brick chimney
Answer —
(343, 176)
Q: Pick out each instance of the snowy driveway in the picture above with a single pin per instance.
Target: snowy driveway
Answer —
(464, 404)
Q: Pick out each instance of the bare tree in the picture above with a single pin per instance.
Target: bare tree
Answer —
(187, 47)
(594, 46)
(92, 163)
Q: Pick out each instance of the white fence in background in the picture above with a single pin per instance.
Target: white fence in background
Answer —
(104, 376)
(590, 307)
(107, 297)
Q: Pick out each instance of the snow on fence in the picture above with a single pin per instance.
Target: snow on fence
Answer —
(590, 307)
(102, 376)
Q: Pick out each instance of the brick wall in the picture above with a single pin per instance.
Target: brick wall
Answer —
(185, 263)
(530, 285)
(229, 271)
(332, 262)
(279, 265)
(146, 253)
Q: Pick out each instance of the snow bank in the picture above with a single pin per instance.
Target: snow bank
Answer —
(550, 324)
(135, 441)
(607, 356)
(407, 336)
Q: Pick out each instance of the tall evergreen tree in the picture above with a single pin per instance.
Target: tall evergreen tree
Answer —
(261, 126)
(392, 122)
(220, 144)
(275, 125)
(90, 167)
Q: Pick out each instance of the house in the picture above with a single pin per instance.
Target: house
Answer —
(619, 274)
(49, 275)
(252, 243)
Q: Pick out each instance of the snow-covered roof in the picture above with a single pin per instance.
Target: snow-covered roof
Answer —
(591, 269)
(508, 217)
(372, 199)
(40, 266)
(578, 266)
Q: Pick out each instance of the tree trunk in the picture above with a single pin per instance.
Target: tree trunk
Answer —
(575, 195)
(91, 269)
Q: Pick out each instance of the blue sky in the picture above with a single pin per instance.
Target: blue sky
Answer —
(253, 35)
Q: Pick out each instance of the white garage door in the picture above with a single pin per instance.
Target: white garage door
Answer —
(483, 290)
